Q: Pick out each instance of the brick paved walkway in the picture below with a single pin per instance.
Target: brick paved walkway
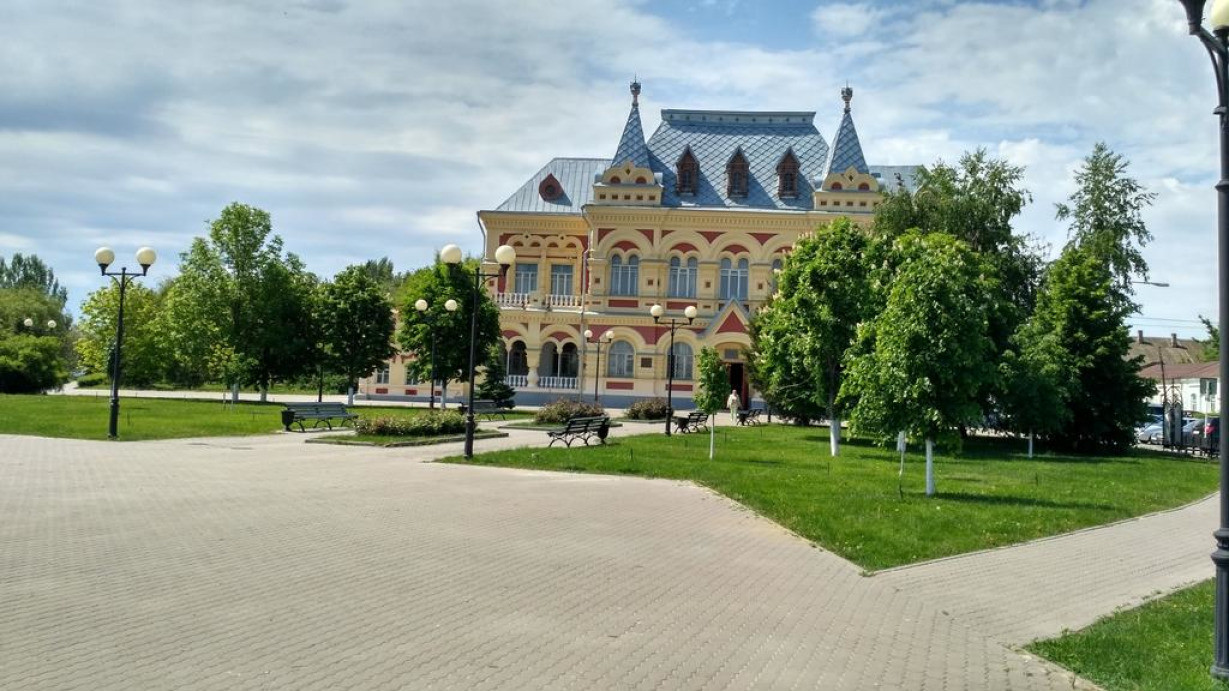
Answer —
(268, 563)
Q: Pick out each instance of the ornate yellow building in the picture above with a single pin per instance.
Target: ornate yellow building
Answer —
(701, 214)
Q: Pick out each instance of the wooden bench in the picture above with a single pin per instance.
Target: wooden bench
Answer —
(750, 416)
(691, 422)
(487, 409)
(586, 428)
(317, 412)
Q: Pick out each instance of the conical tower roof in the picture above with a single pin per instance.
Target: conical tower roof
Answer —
(846, 149)
(631, 144)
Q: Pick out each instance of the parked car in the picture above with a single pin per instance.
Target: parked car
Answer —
(1209, 441)
(1192, 432)
(1150, 434)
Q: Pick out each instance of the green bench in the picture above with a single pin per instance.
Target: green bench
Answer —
(488, 409)
(317, 413)
(581, 428)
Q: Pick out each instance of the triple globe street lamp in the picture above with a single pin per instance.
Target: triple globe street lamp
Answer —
(657, 311)
(452, 255)
(105, 257)
(1216, 42)
(597, 375)
(421, 306)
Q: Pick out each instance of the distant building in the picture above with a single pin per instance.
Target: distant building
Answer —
(1174, 364)
(701, 214)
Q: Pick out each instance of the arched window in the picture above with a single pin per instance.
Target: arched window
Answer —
(518, 360)
(615, 180)
(688, 173)
(624, 276)
(681, 361)
(569, 362)
(864, 187)
(736, 173)
(837, 187)
(787, 176)
(734, 279)
(622, 360)
(682, 282)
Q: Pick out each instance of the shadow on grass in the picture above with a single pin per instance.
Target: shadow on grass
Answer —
(999, 500)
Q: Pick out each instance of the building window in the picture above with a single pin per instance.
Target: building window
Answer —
(736, 173)
(688, 173)
(624, 277)
(787, 176)
(526, 278)
(560, 279)
(837, 187)
(382, 375)
(518, 360)
(622, 358)
(569, 361)
(734, 279)
(864, 187)
(681, 361)
(411, 379)
(683, 278)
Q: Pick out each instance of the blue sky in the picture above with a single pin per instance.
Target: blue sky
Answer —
(380, 127)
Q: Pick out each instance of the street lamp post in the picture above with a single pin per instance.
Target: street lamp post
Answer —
(105, 257)
(1216, 42)
(657, 311)
(452, 256)
(29, 324)
(597, 373)
(421, 306)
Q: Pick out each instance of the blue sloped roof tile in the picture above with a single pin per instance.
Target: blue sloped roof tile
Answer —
(631, 144)
(575, 176)
(846, 149)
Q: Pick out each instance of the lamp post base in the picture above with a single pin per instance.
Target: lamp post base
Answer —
(1220, 657)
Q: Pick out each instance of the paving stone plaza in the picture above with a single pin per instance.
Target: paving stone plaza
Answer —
(265, 562)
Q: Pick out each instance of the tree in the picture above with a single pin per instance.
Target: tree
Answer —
(711, 395)
(1083, 310)
(921, 363)
(31, 363)
(1036, 377)
(355, 322)
(145, 353)
(381, 272)
(1211, 347)
(494, 384)
(437, 284)
(825, 290)
(30, 272)
(1106, 214)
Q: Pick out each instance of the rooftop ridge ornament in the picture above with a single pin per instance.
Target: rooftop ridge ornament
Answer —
(847, 96)
(635, 91)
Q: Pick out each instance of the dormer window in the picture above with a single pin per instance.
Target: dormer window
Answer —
(688, 173)
(550, 189)
(787, 176)
(615, 180)
(736, 173)
(864, 187)
(837, 187)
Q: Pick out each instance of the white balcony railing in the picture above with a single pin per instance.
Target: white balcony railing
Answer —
(517, 381)
(511, 299)
(562, 300)
(557, 382)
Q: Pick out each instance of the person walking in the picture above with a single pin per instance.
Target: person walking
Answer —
(735, 404)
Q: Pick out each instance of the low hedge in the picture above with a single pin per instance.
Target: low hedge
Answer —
(432, 424)
(559, 412)
(648, 409)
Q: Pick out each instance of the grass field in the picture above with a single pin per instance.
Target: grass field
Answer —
(85, 417)
(990, 495)
(1162, 646)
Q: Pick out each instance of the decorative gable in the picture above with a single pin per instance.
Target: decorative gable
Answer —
(629, 185)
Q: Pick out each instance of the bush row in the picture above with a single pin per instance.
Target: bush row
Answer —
(559, 412)
(648, 409)
(424, 425)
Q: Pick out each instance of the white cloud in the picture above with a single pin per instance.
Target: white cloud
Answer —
(845, 20)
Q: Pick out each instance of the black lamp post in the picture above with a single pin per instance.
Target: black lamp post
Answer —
(421, 306)
(105, 257)
(657, 311)
(597, 374)
(1216, 42)
(452, 256)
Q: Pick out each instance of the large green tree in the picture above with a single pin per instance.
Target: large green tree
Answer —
(28, 271)
(36, 357)
(145, 353)
(355, 322)
(437, 284)
(825, 290)
(922, 361)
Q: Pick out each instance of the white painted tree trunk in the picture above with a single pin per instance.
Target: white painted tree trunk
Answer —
(1030, 443)
(350, 395)
(234, 393)
(901, 443)
(930, 468)
(712, 437)
(834, 435)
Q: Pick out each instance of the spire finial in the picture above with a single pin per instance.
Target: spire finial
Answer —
(635, 91)
(847, 96)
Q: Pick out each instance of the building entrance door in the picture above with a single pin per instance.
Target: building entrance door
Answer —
(738, 382)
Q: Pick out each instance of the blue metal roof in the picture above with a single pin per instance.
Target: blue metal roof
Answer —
(575, 176)
(631, 145)
(846, 149)
(713, 136)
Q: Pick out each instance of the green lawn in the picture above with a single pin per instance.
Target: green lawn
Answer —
(1162, 646)
(989, 496)
(85, 417)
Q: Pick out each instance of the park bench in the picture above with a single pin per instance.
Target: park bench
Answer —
(586, 428)
(488, 409)
(691, 422)
(317, 413)
(750, 416)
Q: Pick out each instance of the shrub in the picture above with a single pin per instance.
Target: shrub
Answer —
(93, 379)
(559, 412)
(648, 409)
(425, 425)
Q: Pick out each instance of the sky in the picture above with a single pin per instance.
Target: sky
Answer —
(373, 128)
